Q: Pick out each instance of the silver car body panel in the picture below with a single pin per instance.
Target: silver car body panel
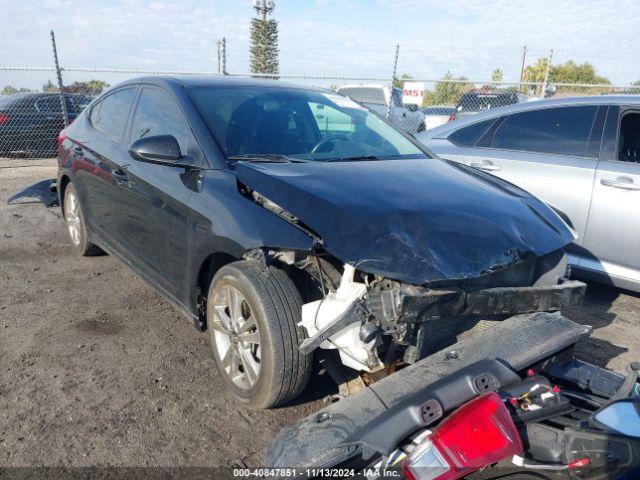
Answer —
(601, 196)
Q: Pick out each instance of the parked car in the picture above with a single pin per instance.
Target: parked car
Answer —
(481, 99)
(30, 122)
(581, 156)
(281, 235)
(385, 100)
(437, 115)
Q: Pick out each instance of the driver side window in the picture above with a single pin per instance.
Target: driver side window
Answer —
(157, 114)
(330, 121)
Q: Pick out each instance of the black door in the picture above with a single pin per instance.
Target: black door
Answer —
(97, 165)
(153, 212)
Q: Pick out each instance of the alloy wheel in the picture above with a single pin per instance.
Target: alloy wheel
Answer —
(236, 336)
(72, 216)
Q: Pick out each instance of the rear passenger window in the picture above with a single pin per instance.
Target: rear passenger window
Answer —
(157, 114)
(49, 104)
(468, 136)
(560, 131)
(629, 139)
(111, 114)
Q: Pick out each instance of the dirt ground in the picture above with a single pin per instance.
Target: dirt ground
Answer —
(97, 369)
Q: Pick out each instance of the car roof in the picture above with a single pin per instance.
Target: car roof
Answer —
(363, 85)
(198, 81)
(26, 99)
(534, 105)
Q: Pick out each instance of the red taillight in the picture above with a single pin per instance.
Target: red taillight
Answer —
(476, 435)
(62, 136)
(4, 118)
(452, 117)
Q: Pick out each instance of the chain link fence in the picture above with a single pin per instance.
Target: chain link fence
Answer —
(32, 104)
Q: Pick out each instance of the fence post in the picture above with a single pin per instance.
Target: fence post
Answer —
(546, 75)
(63, 103)
(394, 76)
(524, 59)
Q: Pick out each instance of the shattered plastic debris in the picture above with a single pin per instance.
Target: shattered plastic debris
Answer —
(44, 191)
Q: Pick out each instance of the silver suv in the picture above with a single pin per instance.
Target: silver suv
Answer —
(580, 155)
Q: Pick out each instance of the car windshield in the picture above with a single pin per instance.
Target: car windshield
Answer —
(265, 123)
(10, 100)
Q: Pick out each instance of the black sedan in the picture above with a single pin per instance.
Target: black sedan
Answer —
(30, 122)
(288, 220)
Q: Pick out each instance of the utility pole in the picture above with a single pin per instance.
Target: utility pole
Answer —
(546, 74)
(394, 76)
(524, 59)
(263, 50)
(264, 7)
(63, 103)
(222, 56)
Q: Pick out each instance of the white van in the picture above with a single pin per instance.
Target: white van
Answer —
(379, 97)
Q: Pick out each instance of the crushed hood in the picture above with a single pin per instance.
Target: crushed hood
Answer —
(411, 220)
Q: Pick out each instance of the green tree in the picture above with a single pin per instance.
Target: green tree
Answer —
(92, 87)
(50, 87)
(10, 90)
(497, 75)
(264, 39)
(447, 91)
(399, 82)
(568, 72)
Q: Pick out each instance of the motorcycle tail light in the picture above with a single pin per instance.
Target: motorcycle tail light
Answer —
(475, 436)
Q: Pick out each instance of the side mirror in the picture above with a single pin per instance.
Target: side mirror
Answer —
(621, 416)
(162, 149)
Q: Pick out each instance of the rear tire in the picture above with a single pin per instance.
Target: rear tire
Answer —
(252, 317)
(76, 226)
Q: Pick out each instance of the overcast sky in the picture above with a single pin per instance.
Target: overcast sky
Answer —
(329, 37)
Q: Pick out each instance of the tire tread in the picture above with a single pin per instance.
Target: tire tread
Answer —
(282, 307)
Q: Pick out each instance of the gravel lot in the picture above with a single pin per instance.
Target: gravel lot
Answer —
(97, 369)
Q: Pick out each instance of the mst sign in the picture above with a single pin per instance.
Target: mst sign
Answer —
(413, 93)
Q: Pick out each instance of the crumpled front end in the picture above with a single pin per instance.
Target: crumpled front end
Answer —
(375, 322)
(409, 254)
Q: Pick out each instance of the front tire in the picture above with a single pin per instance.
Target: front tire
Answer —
(76, 226)
(252, 316)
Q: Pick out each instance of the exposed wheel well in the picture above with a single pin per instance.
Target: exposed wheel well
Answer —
(208, 269)
(64, 181)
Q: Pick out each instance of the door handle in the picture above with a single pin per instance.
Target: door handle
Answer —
(77, 149)
(120, 175)
(488, 167)
(624, 183)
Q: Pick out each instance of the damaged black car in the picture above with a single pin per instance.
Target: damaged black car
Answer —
(287, 221)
